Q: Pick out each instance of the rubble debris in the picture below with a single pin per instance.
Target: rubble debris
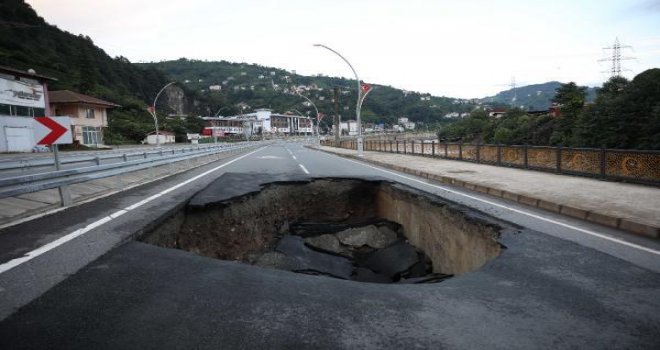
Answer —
(300, 258)
(370, 236)
(393, 260)
(328, 243)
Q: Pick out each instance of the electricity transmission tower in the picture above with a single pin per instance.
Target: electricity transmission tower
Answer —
(616, 58)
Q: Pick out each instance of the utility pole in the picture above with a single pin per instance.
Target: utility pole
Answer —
(615, 70)
(337, 118)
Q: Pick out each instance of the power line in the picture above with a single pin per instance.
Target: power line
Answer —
(616, 58)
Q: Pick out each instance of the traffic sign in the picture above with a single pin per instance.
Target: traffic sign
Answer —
(52, 130)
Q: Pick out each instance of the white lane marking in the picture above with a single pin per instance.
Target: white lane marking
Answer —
(294, 157)
(596, 234)
(66, 238)
(303, 169)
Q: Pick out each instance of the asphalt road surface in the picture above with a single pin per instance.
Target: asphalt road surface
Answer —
(561, 283)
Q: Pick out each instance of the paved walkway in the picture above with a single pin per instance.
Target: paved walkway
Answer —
(634, 208)
(13, 209)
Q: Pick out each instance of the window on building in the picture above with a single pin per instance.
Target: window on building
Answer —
(92, 135)
(89, 113)
(21, 111)
(38, 112)
(5, 109)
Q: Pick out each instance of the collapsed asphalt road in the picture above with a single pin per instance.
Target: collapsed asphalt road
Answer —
(540, 292)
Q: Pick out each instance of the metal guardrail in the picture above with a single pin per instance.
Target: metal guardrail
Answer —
(608, 164)
(17, 185)
(97, 157)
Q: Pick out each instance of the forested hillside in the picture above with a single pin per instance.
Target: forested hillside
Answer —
(625, 114)
(267, 87)
(28, 42)
(533, 97)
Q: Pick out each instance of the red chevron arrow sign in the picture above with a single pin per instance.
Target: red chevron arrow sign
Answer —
(52, 130)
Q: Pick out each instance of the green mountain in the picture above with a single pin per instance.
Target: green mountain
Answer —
(27, 41)
(266, 87)
(534, 97)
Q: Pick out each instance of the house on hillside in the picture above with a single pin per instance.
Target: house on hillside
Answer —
(88, 115)
(406, 124)
(23, 96)
(497, 113)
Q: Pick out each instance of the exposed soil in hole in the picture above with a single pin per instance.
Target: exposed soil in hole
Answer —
(370, 231)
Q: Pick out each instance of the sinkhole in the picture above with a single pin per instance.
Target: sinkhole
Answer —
(365, 230)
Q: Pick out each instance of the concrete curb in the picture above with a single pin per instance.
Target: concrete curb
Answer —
(628, 225)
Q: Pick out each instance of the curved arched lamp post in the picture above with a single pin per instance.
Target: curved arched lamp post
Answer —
(318, 121)
(358, 105)
(215, 134)
(152, 111)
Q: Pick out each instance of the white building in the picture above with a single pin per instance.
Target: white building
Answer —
(260, 121)
(350, 127)
(215, 87)
(23, 96)
(163, 137)
(406, 124)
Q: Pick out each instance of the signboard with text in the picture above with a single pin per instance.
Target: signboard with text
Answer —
(22, 93)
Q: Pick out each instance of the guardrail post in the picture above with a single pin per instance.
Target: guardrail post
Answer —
(423, 144)
(499, 154)
(412, 146)
(603, 163)
(405, 146)
(65, 195)
(433, 148)
(391, 148)
(97, 159)
(124, 157)
(558, 159)
(526, 156)
(397, 146)
(460, 151)
(145, 155)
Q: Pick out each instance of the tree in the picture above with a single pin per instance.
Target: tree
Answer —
(640, 111)
(601, 124)
(570, 99)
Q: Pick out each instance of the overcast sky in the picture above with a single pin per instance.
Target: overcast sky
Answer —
(468, 48)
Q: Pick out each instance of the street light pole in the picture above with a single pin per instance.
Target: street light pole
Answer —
(318, 121)
(358, 106)
(215, 123)
(153, 112)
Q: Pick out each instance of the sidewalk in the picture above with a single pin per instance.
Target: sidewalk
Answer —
(14, 209)
(633, 208)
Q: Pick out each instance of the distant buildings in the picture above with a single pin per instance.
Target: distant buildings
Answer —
(456, 115)
(164, 136)
(258, 122)
(406, 124)
(497, 113)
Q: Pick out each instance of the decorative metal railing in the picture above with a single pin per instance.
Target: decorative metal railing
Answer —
(608, 164)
